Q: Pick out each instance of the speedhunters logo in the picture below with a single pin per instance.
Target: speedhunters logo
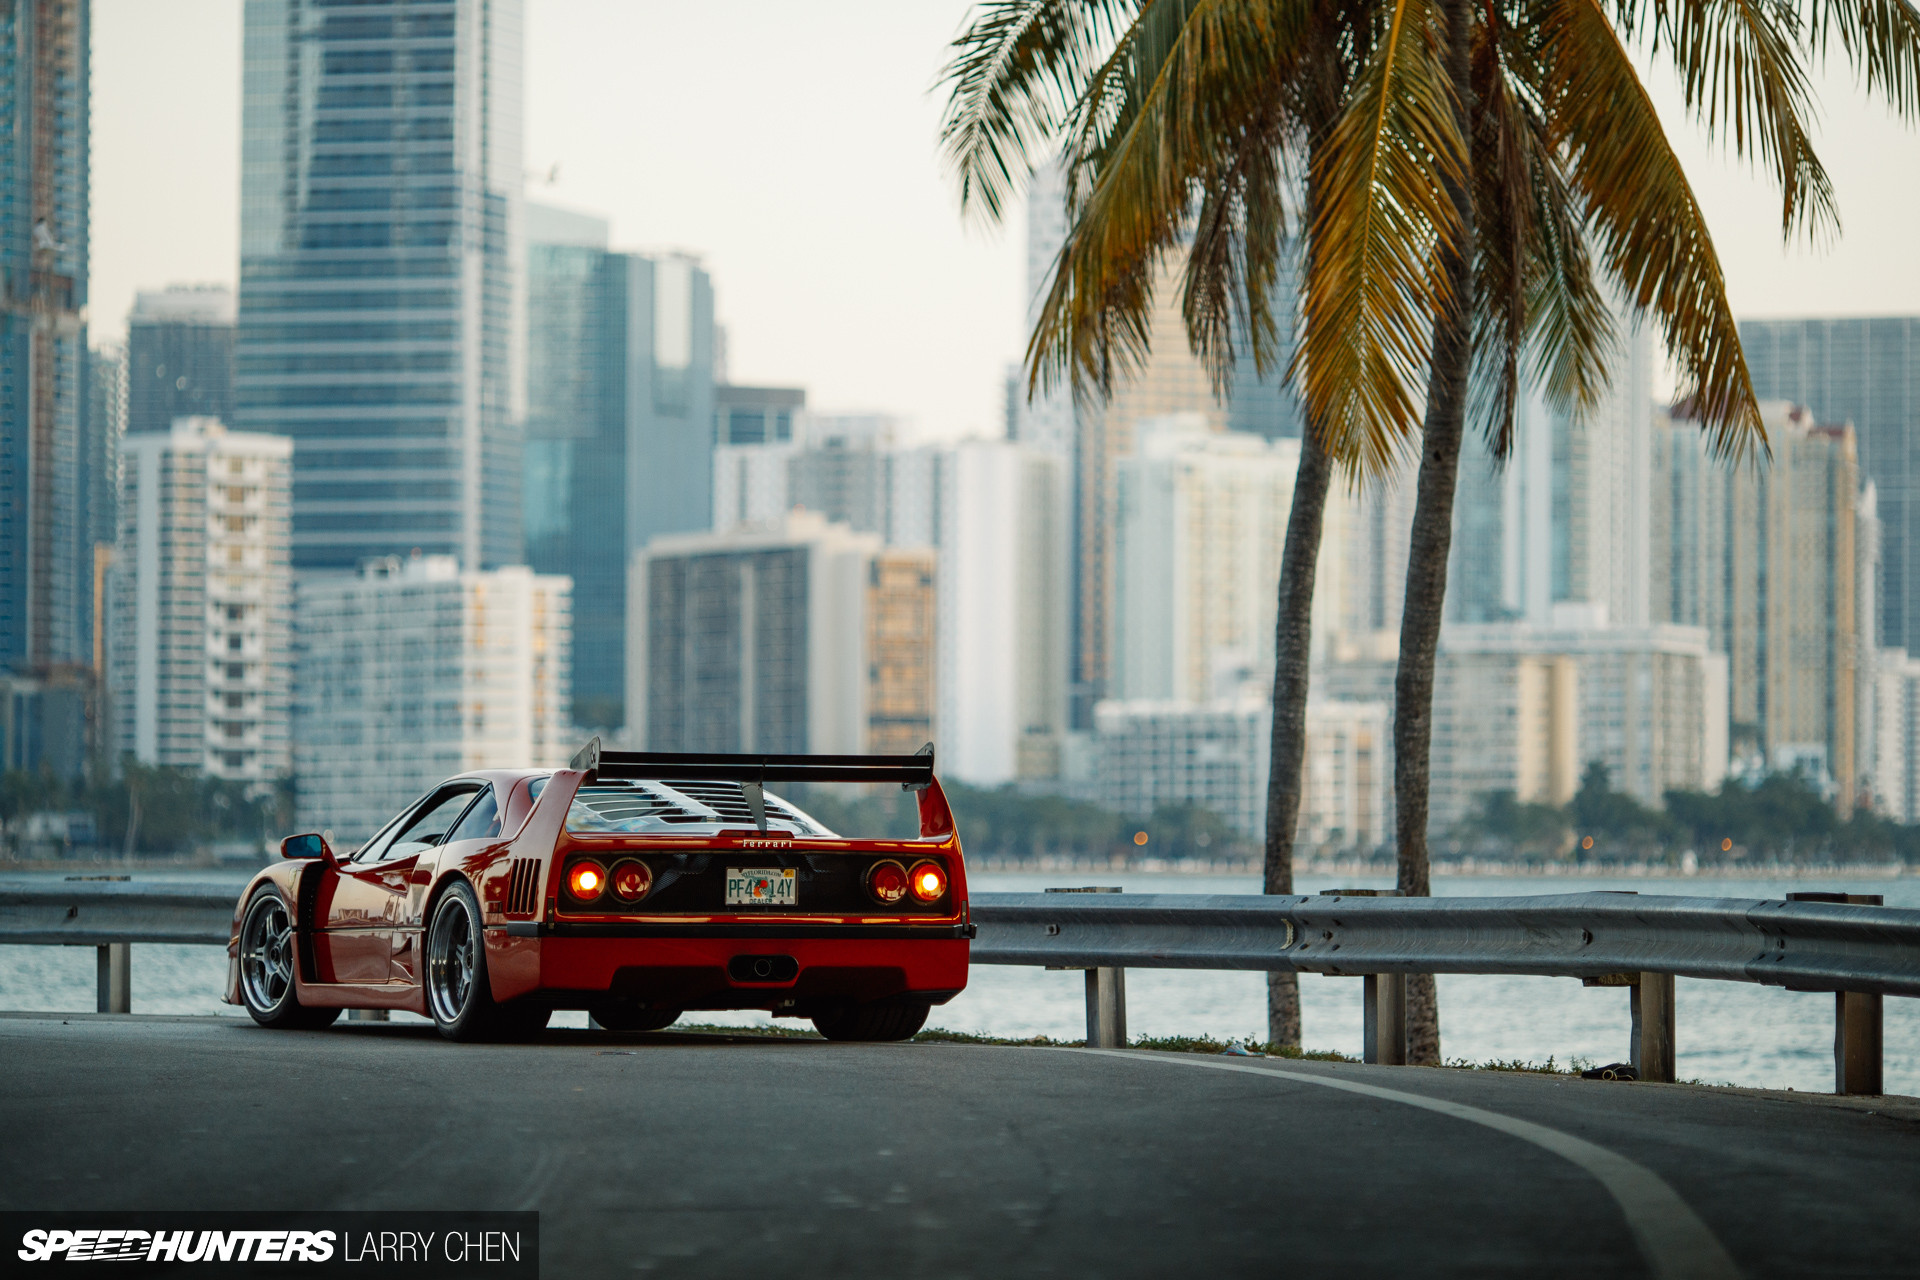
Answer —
(92, 1245)
(504, 1245)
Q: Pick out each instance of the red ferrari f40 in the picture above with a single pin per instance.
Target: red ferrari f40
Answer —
(633, 885)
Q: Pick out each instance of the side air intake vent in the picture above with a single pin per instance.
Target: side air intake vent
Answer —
(523, 886)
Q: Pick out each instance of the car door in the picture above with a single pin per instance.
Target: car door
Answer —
(368, 905)
(478, 824)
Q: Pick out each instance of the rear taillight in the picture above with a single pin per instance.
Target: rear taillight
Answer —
(887, 882)
(632, 881)
(586, 880)
(929, 881)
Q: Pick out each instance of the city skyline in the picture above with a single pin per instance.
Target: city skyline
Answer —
(816, 296)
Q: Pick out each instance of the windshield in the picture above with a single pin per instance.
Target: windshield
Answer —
(628, 807)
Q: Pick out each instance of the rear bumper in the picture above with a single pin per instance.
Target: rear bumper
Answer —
(679, 970)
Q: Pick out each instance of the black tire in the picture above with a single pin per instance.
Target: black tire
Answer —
(894, 1019)
(267, 959)
(459, 994)
(619, 1016)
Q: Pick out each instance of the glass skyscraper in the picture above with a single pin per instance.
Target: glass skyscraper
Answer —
(620, 427)
(379, 291)
(179, 357)
(1867, 372)
(46, 556)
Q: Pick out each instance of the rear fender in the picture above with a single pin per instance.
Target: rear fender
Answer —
(513, 964)
(936, 816)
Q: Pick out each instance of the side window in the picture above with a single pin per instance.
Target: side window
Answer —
(376, 848)
(430, 823)
(480, 822)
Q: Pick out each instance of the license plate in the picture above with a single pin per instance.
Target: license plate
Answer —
(760, 886)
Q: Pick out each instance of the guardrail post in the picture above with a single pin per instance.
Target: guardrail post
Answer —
(1106, 994)
(1652, 1042)
(113, 969)
(1383, 1001)
(1856, 1042)
(1858, 1057)
(1383, 1019)
(1106, 1008)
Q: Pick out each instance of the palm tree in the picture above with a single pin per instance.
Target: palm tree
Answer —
(1190, 123)
(1487, 153)
(1468, 170)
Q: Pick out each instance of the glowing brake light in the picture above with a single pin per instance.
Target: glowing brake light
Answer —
(929, 882)
(631, 881)
(585, 880)
(887, 882)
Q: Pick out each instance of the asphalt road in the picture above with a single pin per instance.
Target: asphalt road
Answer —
(682, 1154)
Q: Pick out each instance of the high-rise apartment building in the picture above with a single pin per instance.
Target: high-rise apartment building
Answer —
(380, 288)
(1200, 526)
(201, 662)
(994, 513)
(798, 637)
(619, 427)
(106, 425)
(1766, 559)
(1096, 435)
(1889, 772)
(410, 670)
(1565, 520)
(1526, 709)
(757, 433)
(846, 473)
(1214, 755)
(991, 512)
(1865, 371)
(180, 356)
(46, 558)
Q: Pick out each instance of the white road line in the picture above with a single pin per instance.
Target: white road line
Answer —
(1676, 1243)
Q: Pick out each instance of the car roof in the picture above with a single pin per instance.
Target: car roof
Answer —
(500, 777)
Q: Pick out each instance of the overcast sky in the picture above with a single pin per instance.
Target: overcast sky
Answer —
(793, 146)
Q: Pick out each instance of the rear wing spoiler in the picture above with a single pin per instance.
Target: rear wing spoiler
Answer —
(914, 772)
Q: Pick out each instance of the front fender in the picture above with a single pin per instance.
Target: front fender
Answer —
(284, 876)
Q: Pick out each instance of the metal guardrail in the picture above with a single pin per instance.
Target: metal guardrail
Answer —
(96, 913)
(1807, 946)
(1859, 949)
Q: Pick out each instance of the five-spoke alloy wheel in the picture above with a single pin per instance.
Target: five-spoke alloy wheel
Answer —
(459, 995)
(266, 966)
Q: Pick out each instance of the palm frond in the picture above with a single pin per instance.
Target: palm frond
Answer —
(1374, 277)
(1233, 261)
(1157, 130)
(1740, 73)
(1014, 76)
(1648, 226)
(1567, 334)
(1570, 326)
(1881, 39)
(1504, 235)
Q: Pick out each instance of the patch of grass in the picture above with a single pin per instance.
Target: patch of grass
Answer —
(1548, 1068)
(767, 1033)
(1162, 1044)
(1159, 1044)
(1207, 1044)
(939, 1035)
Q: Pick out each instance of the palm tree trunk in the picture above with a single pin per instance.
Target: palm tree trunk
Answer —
(1293, 636)
(1427, 554)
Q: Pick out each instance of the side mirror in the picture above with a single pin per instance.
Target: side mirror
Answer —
(310, 845)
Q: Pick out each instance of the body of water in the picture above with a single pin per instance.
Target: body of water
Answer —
(1727, 1032)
